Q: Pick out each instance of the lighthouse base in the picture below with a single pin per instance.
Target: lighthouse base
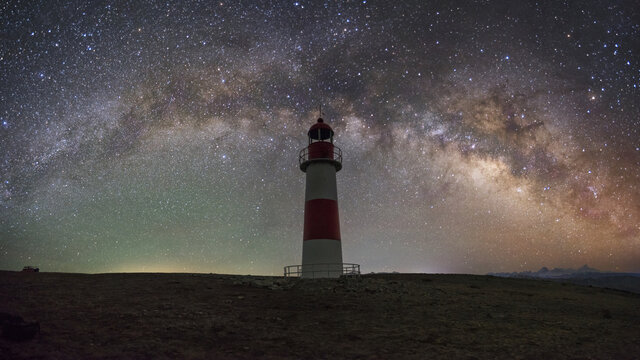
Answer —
(321, 258)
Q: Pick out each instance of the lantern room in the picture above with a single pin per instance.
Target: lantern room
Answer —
(320, 132)
(320, 147)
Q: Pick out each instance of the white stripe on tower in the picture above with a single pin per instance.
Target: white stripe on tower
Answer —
(321, 182)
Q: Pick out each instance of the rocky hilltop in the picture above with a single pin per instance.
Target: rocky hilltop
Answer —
(378, 316)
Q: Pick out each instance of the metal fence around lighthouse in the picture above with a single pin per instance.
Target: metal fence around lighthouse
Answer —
(322, 270)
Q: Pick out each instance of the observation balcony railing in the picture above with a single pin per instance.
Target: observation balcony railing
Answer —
(322, 270)
(303, 158)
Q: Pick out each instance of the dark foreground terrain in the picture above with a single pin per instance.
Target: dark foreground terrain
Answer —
(391, 316)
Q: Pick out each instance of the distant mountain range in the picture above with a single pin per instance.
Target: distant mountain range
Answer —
(584, 275)
(544, 272)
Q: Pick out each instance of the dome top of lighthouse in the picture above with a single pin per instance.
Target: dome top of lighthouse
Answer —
(320, 131)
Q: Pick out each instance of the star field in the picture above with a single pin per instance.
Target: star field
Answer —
(163, 136)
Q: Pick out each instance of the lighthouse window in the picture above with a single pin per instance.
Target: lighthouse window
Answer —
(320, 134)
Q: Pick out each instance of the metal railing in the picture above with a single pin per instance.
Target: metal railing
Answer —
(303, 156)
(322, 270)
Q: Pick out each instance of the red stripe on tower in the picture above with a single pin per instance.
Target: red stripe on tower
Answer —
(321, 150)
(321, 220)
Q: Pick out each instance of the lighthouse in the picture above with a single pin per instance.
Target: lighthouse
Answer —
(322, 247)
(321, 242)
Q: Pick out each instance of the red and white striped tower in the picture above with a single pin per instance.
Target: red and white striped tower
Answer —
(321, 160)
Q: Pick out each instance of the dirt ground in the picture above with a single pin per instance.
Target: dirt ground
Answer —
(378, 316)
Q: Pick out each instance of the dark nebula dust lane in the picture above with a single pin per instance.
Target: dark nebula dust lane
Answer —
(163, 136)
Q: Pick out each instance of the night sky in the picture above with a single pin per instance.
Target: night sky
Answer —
(164, 136)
